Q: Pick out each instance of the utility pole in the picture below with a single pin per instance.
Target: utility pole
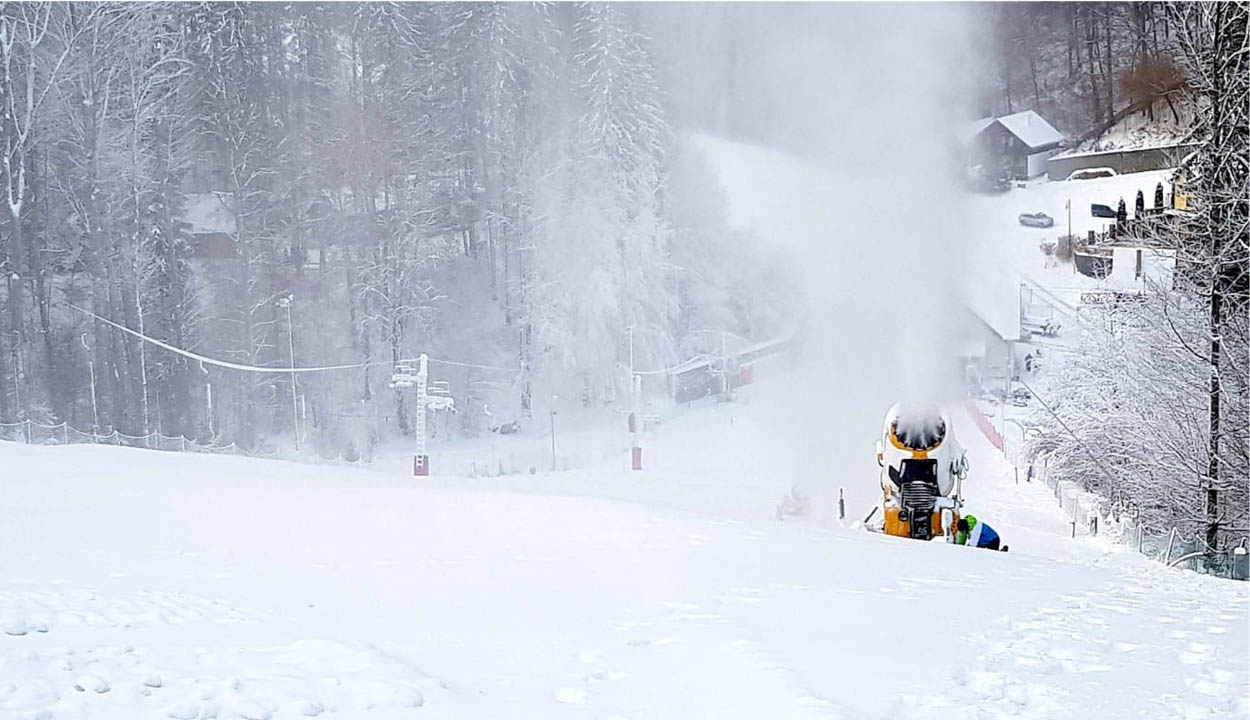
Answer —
(208, 396)
(635, 422)
(95, 413)
(724, 366)
(285, 302)
(553, 431)
(1071, 240)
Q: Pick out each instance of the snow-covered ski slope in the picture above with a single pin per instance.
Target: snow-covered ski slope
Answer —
(202, 586)
(137, 584)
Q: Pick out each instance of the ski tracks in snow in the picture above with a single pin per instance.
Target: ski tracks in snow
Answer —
(1071, 660)
(690, 659)
(163, 654)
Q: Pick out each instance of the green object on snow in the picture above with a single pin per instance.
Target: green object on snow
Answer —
(961, 538)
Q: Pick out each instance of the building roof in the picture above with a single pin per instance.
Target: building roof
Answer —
(1031, 129)
(964, 133)
(1028, 127)
(993, 296)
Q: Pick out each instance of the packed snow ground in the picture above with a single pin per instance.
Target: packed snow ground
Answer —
(145, 584)
(1002, 242)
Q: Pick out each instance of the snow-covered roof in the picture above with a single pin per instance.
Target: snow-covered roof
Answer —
(993, 295)
(209, 213)
(1031, 129)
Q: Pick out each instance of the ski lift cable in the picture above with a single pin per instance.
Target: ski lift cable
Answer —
(272, 370)
(666, 370)
(1080, 443)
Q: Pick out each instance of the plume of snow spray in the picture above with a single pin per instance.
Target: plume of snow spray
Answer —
(880, 246)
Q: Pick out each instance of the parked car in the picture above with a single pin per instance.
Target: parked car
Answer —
(1102, 211)
(1037, 220)
(508, 428)
(1092, 173)
(1047, 327)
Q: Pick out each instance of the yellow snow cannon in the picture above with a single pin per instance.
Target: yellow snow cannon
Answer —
(922, 468)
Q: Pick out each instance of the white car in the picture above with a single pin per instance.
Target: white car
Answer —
(1037, 220)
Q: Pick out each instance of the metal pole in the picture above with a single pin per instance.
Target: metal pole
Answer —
(1071, 240)
(17, 372)
(553, 432)
(1167, 556)
(631, 350)
(208, 392)
(290, 340)
(724, 365)
(95, 412)
(421, 463)
(635, 420)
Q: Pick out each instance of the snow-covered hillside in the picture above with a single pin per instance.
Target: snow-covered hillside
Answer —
(142, 584)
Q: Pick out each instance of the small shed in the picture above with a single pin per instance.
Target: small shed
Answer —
(1020, 143)
(992, 327)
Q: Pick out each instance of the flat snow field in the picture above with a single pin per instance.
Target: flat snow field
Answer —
(139, 584)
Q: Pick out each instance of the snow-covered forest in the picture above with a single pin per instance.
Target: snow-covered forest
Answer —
(494, 184)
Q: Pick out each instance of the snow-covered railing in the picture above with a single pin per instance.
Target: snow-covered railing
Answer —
(32, 432)
(1092, 514)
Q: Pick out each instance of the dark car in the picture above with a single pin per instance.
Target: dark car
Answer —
(1102, 211)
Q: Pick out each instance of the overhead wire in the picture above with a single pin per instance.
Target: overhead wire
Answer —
(274, 370)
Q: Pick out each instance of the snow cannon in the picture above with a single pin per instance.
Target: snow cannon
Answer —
(922, 468)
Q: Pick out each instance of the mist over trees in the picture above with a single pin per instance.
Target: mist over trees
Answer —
(498, 184)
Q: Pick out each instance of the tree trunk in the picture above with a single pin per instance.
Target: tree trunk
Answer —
(1090, 43)
(1213, 442)
(1073, 51)
(1110, 67)
(17, 295)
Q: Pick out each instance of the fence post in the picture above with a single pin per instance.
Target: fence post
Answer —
(1167, 558)
(182, 441)
(1093, 524)
(27, 431)
(841, 505)
(65, 433)
(1240, 566)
